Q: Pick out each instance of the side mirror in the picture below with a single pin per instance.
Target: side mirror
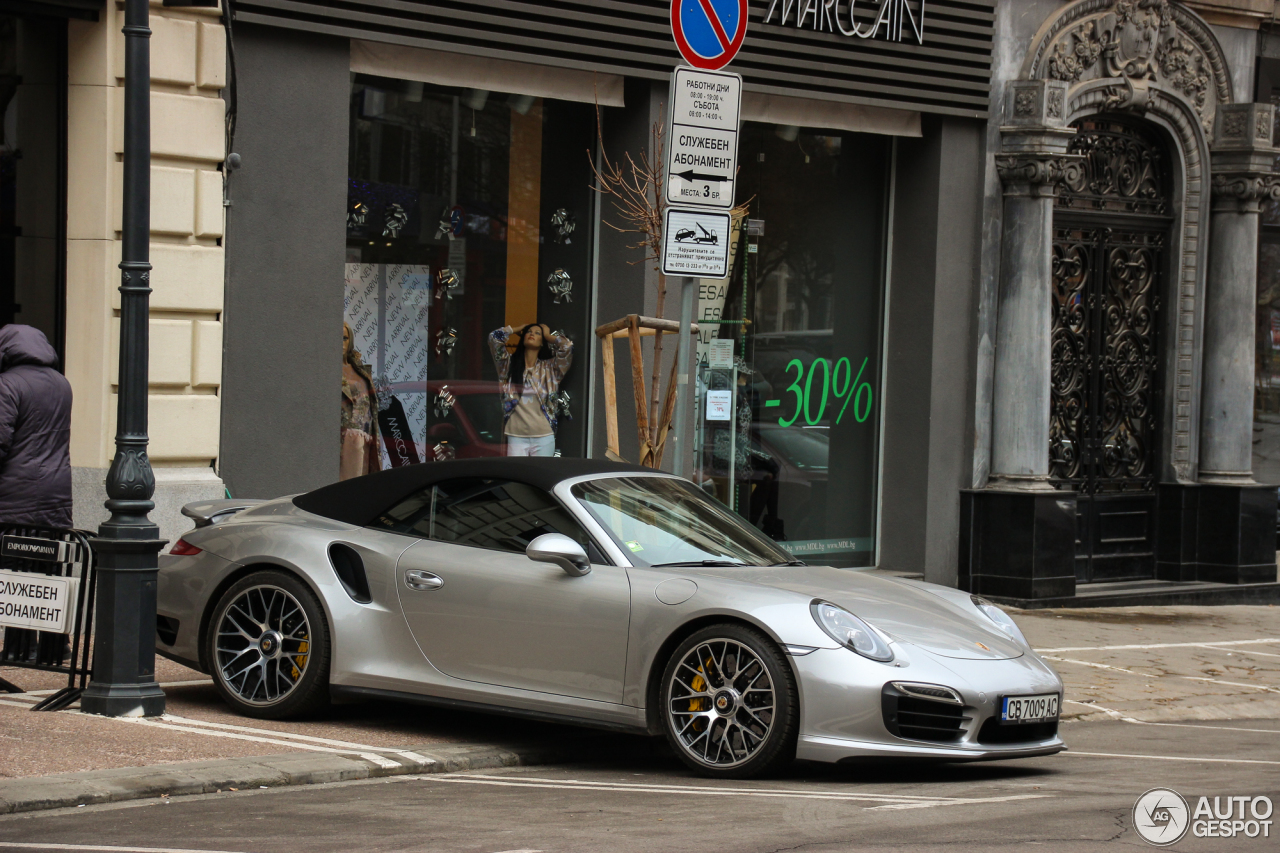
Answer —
(561, 550)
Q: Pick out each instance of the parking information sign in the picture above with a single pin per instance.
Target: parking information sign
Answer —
(695, 243)
(702, 137)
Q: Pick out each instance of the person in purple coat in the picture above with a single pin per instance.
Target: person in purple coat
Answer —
(35, 431)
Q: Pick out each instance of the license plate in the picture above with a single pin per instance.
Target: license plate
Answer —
(1029, 709)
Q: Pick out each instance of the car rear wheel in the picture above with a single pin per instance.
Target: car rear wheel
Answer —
(268, 647)
(729, 703)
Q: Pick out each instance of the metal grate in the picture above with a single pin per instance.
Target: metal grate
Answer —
(948, 74)
(921, 719)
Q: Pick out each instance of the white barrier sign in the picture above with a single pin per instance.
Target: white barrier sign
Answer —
(36, 601)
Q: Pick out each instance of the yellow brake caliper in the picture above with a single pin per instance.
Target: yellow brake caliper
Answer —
(303, 648)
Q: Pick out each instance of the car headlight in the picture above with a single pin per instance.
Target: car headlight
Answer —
(998, 616)
(850, 631)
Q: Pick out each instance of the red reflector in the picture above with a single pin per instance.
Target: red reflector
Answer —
(183, 548)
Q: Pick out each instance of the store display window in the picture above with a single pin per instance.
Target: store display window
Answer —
(790, 344)
(468, 275)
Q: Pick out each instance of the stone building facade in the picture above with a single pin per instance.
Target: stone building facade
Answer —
(76, 301)
(1128, 167)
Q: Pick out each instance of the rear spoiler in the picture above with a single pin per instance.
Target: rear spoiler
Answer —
(205, 513)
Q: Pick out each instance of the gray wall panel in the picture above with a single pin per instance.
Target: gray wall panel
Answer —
(954, 348)
(286, 237)
(908, 379)
(928, 434)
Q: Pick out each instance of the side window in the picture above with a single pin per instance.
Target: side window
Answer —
(500, 515)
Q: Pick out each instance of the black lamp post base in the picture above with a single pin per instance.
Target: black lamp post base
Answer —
(124, 652)
(123, 700)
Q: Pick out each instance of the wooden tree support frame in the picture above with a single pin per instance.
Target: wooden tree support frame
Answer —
(652, 437)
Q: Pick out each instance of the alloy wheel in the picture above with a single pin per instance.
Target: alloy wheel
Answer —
(263, 645)
(720, 703)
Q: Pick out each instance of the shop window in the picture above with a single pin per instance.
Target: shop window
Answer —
(790, 344)
(468, 212)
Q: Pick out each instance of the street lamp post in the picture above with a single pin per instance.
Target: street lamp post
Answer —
(127, 545)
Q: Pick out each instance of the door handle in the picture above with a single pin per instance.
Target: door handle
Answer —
(422, 580)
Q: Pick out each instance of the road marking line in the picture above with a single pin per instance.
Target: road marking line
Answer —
(682, 788)
(911, 802)
(368, 753)
(1242, 651)
(45, 846)
(1119, 716)
(1157, 646)
(187, 721)
(303, 742)
(1232, 683)
(959, 802)
(385, 763)
(415, 757)
(162, 684)
(1172, 758)
(1097, 665)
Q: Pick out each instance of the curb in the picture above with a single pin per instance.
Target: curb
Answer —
(68, 790)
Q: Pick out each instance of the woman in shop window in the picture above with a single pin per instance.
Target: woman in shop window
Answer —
(360, 452)
(529, 379)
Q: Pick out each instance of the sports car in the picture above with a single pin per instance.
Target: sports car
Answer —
(599, 594)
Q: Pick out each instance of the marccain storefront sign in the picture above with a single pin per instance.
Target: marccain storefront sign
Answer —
(896, 19)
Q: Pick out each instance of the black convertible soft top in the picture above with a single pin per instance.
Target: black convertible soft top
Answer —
(362, 499)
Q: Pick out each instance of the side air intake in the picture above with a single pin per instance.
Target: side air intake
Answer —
(349, 568)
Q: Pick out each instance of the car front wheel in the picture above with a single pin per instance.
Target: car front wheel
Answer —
(730, 706)
(268, 647)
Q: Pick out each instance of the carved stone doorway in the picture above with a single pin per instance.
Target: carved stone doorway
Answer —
(1111, 230)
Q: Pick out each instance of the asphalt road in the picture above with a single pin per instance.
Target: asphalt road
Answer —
(1081, 800)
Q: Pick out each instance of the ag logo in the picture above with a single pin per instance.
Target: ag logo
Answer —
(1161, 816)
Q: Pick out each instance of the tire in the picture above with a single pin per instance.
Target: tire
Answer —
(719, 714)
(279, 672)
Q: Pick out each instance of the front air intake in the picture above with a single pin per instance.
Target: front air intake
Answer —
(349, 568)
(913, 717)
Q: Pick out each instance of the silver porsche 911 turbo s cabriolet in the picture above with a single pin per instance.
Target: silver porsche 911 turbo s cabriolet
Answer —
(592, 593)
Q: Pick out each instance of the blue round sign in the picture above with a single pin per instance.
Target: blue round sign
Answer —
(709, 33)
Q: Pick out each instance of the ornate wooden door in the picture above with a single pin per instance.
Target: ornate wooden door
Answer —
(1110, 233)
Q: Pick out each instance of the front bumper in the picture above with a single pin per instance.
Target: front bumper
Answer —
(842, 717)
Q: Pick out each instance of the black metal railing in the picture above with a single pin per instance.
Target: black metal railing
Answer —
(55, 554)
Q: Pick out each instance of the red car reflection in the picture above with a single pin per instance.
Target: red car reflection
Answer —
(473, 427)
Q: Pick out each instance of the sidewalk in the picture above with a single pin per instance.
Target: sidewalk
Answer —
(1142, 663)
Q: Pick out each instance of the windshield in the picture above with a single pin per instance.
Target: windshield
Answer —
(664, 521)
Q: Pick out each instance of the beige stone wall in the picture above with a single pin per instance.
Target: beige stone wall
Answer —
(188, 70)
(188, 67)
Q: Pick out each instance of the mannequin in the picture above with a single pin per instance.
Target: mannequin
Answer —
(529, 378)
(360, 452)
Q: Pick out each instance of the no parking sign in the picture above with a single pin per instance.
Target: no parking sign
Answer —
(709, 33)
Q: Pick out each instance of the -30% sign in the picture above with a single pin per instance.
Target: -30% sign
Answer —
(821, 384)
